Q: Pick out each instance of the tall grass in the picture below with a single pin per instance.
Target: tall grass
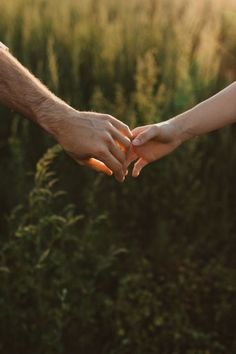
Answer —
(147, 267)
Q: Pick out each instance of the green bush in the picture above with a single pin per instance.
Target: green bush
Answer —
(87, 292)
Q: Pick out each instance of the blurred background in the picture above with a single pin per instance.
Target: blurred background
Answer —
(89, 266)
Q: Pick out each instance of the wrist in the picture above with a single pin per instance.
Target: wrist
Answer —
(182, 127)
(52, 115)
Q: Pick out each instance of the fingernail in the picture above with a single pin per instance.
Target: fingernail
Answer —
(136, 142)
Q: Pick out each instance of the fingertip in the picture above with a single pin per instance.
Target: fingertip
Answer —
(120, 179)
(109, 173)
(135, 173)
(139, 165)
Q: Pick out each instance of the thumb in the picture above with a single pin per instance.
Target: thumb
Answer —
(96, 165)
(146, 135)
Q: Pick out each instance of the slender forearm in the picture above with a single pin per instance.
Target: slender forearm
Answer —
(22, 92)
(214, 113)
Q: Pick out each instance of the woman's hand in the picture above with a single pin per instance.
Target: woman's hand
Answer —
(151, 142)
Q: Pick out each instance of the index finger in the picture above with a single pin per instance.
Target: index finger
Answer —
(139, 130)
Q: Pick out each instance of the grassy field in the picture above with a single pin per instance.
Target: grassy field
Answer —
(88, 266)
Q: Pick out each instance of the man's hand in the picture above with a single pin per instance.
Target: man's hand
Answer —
(98, 141)
(152, 142)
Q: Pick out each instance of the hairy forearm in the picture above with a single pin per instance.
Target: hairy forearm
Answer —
(22, 92)
(214, 113)
(89, 138)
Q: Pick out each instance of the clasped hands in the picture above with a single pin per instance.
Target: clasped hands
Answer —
(105, 144)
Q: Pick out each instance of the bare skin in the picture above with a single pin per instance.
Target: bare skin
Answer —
(152, 142)
(91, 139)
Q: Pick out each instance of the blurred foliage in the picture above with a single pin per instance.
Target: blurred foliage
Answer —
(146, 267)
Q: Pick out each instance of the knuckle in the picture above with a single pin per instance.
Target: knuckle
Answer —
(102, 117)
(108, 126)
(108, 117)
(107, 137)
(126, 127)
